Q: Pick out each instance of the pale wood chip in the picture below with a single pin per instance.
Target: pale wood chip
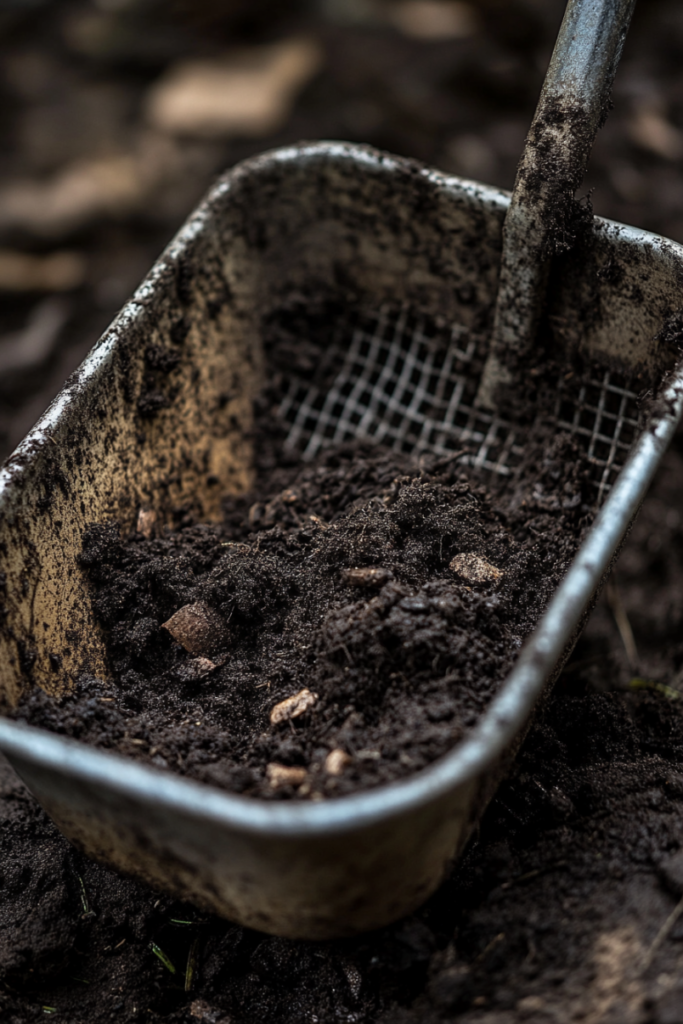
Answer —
(475, 569)
(284, 775)
(249, 91)
(147, 521)
(434, 19)
(336, 761)
(198, 628)
(293, 706)
(368, 576)
(368, 755)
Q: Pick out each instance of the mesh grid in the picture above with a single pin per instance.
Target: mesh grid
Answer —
(410, 383)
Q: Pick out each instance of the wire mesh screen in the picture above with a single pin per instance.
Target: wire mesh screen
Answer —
(410, 383)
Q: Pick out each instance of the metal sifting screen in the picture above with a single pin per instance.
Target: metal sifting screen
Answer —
(410, 383)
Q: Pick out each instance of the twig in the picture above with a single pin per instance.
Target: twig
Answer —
(661, 935)
(623, 625)
(495, 941)
(85, 902)
(191, 965)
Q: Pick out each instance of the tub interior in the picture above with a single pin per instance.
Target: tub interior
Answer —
(390, 271)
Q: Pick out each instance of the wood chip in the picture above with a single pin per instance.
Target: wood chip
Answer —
(57, 272)
(475, 569)
(434, 19)
(367, 577)
(282, 775)
(198, 628)
(249, 93)
(292, 707)
(650, 129)
(336, 761)
(147, 520)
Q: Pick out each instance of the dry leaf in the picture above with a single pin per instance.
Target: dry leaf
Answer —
(292, 707)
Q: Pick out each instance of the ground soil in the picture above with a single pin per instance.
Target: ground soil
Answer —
(552, 915)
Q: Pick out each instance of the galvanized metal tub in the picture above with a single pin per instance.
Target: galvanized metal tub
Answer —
(407, 246)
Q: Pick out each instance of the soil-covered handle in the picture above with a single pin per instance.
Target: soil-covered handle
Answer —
(543, 214)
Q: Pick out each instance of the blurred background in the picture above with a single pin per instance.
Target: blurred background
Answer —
(116, 115)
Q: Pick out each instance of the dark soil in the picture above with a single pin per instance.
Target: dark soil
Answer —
(551, 916)
(391, 596)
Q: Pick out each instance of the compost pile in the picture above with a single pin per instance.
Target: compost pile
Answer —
(554, 913)
(336, 633)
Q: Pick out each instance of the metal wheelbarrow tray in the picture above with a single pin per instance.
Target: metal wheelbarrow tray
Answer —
(401, 248)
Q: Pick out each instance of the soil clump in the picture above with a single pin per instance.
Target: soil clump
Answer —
(336, 633)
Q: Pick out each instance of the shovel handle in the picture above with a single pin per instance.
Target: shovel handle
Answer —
(539, 224)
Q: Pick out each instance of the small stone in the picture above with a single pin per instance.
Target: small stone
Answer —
(289, 496)
(353, 977)
(367, 577)
(282, 775)
(475, 569)
(368, 755)
(293, 706)
(196, 669)
(207, 1014)
(147, 520)
(198, 628)
(336, 761)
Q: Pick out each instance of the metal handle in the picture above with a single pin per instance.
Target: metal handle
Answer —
(573, 106)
